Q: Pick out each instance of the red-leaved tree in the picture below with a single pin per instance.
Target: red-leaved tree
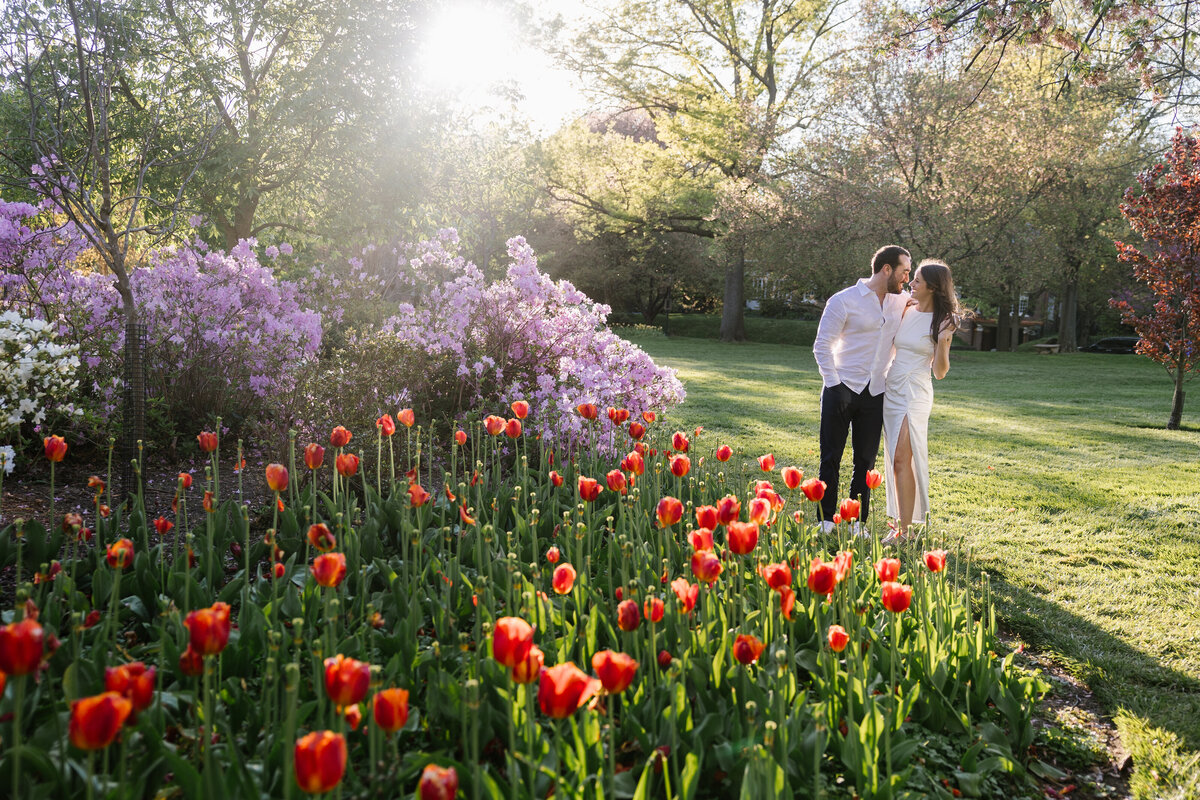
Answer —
(1166, 214)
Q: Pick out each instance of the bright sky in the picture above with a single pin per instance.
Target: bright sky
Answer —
(477, 51)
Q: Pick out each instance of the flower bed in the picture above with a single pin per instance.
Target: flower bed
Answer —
(653, 629)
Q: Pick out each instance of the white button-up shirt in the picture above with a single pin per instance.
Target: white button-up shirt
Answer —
(855, 337)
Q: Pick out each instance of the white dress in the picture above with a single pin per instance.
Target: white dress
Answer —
(909, 394)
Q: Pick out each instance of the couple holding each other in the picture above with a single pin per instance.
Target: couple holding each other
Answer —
(875, 347)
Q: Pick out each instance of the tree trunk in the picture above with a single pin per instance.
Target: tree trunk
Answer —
(1068, 325)
(133, 406)
(1004, 327)
(1177, 401)
(733, 324)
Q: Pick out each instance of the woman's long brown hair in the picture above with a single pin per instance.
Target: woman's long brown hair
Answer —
(945, 303)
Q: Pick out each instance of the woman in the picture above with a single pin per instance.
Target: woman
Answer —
(922, 342)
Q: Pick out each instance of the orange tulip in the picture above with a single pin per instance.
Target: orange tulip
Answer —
(390, 709)
(466, 518)
(529, 669)
(680, 465)
(706, 517)
(209, 502)
(792, 477)
(680, 442)
(888, 569)
(314, 455)
(588, 411)
(616, 481)
(813, 489)
(208, 629)
(701, 539)
(706, 566)
(512, 428)
(653, 609)
(774, 501)
(874, 479)
(520, 409)
(742, 537)
(649, 416)
(747, 649)
(589, 489)
(628, 618)
(346, 680)
(347, 464)
(185, 480)
(277, 477)
(120, 554)
(724, 453)
(766, 463)
(555, 478)
(637, 430)
(340, 437)
(493, 425)
(777, 576)
(208, 441)
(512, 639)
(96, 721)
(687, 593)
(72, 522)
(321, 538)
(21, 647)
(669, 511)
(460, 438)
(329, 569)
(838, 638)
(163, 526)
(842, 563)
(353, 716)
(386, 425)
(564, 689)
(564, 578)
(849, 509)
(822, 577)
(896, 596)
(320, 761)
(438, 783)
(406, 417)
(935, 560)
(633, 463)
(615, 670)
(278, 570)
(417, 496)
(134, 682)
(787, 601)
(760, 511)
(729, 508)
(553, 554)
(55, 448)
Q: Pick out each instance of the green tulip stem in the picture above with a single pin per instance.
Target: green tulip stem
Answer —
(19, 703)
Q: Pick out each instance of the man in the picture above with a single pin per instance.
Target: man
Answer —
(853, 348)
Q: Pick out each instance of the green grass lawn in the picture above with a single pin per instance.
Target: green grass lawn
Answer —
(1056, 472)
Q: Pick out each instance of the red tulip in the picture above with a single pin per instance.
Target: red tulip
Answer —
(163, 526)
(329, 569)
(278, 570)
(935, 560)
(653, 609)
(321, 538)
(512, 639)
(132, 681)
(670, 511)
(96, 721)
(896, 596)
(747, 649)
(842, 563)
(347, 464)
(520, 409)
(386, 425)
(21, 647)
(417, 496)
(787, 601)
(209, 502)
(185, 480)
(664, 659)
(766, 463)
(208, 629)
(89, 621)
(589, 489)
(529, 669)
(649, 416)
(724, 453)
(320, 761)
(849, 509)
(628, 618)
(888, 569)
(564, 689)
(314, 455)
(706, 517)
(680, 442)
(742, 537)
(777, 576)
(460, 438)
(340, 437)
(353, 716)
(637, 430)
(729, 508)
(277, 477)
(615, 670)
(822, 577)
(512, 428)
(633, 463)
(706, 566)
(390, 709)
(120, 554)
(208, 441)
(760, 511)
(792, 477)
(553, 554)
(191, 663)
(838, 638)
(555, 478)
(701, 539)
(774, 501)
(346, 680)
(680, 465)
(564, 578)
(687, 594)
(407, 417)
(616, 481)
(588, 411)
(71, 522)
(813, 489)
(55, 448)
(438, 783)
(874, 479)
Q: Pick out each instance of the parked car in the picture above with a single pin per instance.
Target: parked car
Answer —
(1113, 344)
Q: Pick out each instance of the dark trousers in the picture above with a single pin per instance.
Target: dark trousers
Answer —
(859, 414)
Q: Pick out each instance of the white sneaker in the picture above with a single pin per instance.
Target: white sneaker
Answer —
(827, 526)
(859, 530)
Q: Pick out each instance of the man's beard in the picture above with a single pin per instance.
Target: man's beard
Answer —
(895, 285)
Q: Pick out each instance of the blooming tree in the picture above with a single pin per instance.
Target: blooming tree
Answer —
(1166, 214)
